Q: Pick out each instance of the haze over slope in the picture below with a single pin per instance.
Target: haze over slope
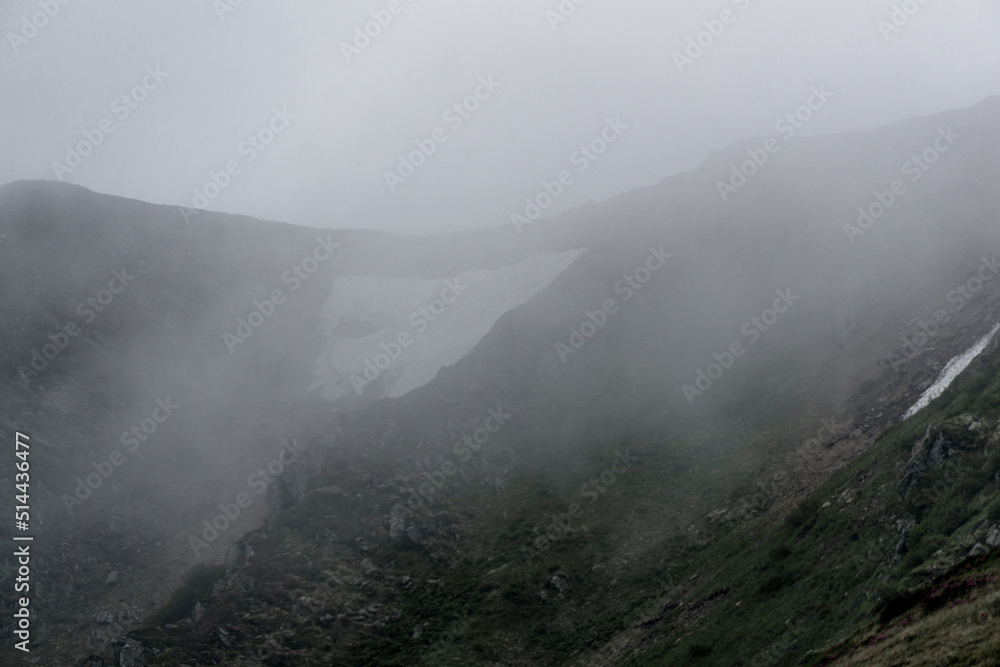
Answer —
(699, 338)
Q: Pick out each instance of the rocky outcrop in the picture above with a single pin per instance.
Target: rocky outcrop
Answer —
(993, 536)
(927, 453)
(121, 652)
(903, 527)
(979, 550)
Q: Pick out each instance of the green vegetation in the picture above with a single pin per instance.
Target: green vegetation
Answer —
(830, 566)
(776, 593)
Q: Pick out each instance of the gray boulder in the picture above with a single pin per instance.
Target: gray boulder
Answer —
(979, 550)
(128, 652)
(559, 582)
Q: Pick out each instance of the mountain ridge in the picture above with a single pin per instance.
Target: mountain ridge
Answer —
(332, 569)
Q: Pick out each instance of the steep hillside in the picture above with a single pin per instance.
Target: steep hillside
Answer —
(890, 561)
(629, 422)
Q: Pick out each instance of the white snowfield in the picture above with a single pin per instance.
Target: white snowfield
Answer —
(950, 372)
(388, 336)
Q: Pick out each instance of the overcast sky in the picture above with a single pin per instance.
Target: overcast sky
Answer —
(223, 71)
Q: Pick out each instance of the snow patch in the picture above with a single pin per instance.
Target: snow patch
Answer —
(950, 372)
(366, 317)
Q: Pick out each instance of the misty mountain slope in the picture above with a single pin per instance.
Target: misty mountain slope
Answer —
(671, 277)
(710, 288)
(160, 339)
(476, 600)
(897, 535)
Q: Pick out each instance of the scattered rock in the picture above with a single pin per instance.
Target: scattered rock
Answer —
(105, 618)
(979, 550)
(993, 537)
(310, 603)
(397, 527)
(222, 636)
(417, 631)
(415, 535)
(559, 582)
(198, 613)
(113, 577)
(364, 614)
(926, 454)
(406, 582)
(130, 653)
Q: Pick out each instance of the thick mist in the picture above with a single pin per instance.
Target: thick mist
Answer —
(426, 333)
(183, 89)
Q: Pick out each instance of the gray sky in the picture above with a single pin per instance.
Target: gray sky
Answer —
(226, 73)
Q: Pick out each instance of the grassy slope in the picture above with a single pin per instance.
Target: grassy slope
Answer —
(826, 569)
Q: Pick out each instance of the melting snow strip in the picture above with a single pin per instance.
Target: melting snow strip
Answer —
(950, 372)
